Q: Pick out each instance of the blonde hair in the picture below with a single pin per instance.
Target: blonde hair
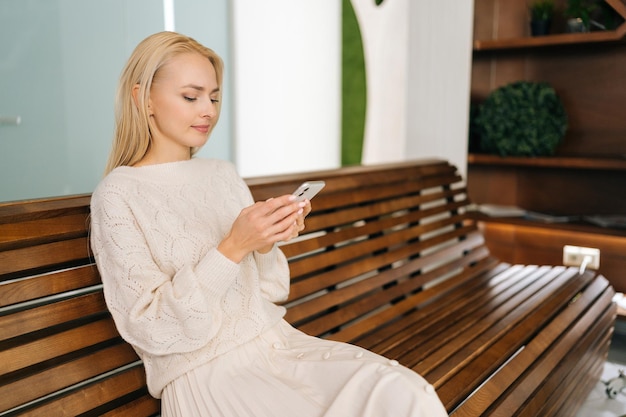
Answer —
(132, 132)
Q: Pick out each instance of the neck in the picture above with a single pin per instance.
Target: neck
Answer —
(153, 157)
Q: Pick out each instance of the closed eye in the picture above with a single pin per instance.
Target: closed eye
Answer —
(189, 98)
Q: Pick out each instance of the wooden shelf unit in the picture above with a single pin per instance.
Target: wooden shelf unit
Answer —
(588, 172)
(559, 38)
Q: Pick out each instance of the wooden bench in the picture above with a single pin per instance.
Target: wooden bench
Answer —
(390, 261)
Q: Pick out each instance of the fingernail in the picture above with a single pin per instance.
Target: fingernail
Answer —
(292, 197)
(301, 204)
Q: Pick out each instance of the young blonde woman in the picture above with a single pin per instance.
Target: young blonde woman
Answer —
(191, 270)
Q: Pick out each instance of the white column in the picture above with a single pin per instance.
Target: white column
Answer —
(287, 85)
(440, 77)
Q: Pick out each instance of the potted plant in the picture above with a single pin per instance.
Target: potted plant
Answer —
(522, 118)
(578, 14)
(541, 16)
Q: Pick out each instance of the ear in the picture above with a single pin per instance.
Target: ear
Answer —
(135, 93)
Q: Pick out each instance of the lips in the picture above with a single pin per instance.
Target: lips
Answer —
(201, 128)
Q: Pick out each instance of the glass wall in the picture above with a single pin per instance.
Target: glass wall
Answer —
(59, 65)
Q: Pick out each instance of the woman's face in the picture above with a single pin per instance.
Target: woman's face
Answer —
(183, 107)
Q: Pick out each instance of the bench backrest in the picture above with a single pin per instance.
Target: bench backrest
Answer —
(377, 242)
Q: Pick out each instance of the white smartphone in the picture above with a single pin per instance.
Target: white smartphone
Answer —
(308, 190)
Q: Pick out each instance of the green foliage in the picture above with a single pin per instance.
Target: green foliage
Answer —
(581, 9)
(542, 10)
(522, 119)
(353, 89)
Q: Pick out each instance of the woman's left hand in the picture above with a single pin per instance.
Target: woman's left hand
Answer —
(300, 220)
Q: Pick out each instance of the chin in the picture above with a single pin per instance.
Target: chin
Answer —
(197, 143)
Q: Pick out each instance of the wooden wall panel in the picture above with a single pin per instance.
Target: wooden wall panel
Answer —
(544, 245)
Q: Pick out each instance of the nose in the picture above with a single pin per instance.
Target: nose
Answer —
(210, 109)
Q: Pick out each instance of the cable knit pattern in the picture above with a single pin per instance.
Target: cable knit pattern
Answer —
(174, 297)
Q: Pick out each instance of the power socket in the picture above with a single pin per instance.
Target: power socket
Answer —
(581, 257)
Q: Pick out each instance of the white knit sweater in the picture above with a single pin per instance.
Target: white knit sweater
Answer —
(174, 297)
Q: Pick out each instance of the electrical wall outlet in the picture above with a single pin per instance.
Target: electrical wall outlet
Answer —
(581, 257)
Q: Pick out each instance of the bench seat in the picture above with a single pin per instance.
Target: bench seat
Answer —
(390, 260)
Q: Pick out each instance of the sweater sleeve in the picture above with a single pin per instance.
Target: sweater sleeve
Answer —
(157, 313)
(274, 276)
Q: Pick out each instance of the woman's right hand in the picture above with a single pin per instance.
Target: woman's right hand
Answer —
(259, 226)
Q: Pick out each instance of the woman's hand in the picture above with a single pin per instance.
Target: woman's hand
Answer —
(300, 219)
(259, 226)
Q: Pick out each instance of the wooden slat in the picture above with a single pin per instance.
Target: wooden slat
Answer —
(53, 283)
(20, 211)
(142, 406)
(62, 376)
(106, 391)
(348, 177)
(42, 256)
(36, 232)
(56, 345)
(39, 318)
(145, 405)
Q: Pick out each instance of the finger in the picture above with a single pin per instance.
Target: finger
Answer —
(282, 212)
(283, 200)
(286, 225)
(273, 204)
(307, 208)
(295, 231)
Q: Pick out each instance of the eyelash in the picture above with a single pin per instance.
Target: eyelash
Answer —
(192, 99)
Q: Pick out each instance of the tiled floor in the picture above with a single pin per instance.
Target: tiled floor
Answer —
(598, 403)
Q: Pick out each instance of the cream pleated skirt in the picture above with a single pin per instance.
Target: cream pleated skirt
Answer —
(286, 373)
